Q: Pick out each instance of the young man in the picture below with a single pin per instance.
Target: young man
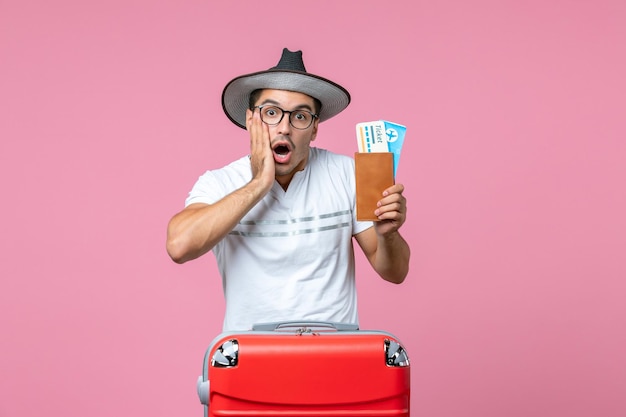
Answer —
(280, 221)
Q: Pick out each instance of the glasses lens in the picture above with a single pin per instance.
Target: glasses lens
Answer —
(300, 119)
(271, 115)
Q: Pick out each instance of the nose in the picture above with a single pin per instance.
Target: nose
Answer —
(284, 127)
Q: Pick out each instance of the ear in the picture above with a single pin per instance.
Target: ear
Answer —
(314, 132)
(249, 115)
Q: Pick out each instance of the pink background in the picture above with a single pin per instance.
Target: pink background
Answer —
(514, 165)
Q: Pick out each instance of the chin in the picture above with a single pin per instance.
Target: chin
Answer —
(282, 170)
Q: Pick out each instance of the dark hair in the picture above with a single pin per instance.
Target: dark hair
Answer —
(254, 96)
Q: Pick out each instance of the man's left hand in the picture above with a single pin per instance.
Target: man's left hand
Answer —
(391, 211)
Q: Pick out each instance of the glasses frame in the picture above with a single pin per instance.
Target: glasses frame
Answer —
(314, 116)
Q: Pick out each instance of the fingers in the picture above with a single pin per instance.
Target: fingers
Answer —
(259, 136)
(392, 196)
(392, 211)
(396, 188)
(393, 204)
(261, 158)
(259, 132)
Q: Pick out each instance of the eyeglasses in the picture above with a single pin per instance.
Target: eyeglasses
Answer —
(299, 119)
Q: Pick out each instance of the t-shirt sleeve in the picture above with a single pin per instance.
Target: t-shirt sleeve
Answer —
(206, 190)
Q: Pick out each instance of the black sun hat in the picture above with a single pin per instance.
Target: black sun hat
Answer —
(289, 74)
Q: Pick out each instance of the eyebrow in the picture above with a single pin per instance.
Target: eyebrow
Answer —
(277, 104)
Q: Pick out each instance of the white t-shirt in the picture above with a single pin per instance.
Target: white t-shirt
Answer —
(290, 257)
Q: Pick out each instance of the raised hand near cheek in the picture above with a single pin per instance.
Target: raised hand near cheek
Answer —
(391, 210)
(261, 157)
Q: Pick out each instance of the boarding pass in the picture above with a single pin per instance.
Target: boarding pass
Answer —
(381, 136)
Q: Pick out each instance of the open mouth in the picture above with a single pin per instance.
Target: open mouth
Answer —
(282, 151)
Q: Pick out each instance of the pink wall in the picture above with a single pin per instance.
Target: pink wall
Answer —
(514, 165)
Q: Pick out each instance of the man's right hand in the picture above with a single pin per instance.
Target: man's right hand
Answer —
(261, 155)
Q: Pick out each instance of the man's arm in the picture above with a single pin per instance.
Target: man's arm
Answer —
(198, 227)
(384, 247)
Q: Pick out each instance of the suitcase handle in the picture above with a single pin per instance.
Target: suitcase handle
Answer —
(299, 325)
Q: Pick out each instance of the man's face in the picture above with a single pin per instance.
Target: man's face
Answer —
(290, 146)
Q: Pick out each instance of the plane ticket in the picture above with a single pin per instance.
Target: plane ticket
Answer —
(381, 136)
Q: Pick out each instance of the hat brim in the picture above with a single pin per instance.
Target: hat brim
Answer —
(236, 94)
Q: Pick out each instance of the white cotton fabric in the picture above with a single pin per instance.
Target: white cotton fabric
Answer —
(291, 257)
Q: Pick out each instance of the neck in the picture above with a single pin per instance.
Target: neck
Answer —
(284, 181)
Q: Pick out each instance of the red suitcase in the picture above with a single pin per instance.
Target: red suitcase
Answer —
(300, 369)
